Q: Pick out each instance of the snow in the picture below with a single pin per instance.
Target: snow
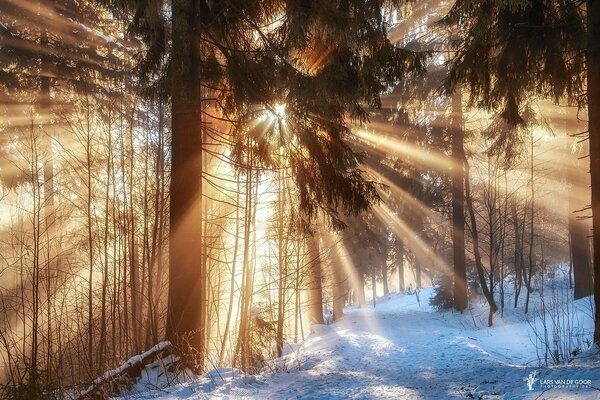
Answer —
(403, 349)
(137, 359)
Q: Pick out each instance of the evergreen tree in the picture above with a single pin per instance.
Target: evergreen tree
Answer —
(324, 60)
(511, 50)
(46, 55)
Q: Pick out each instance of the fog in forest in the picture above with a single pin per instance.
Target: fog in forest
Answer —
(200, 185)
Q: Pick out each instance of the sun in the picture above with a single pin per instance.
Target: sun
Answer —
(279, 110)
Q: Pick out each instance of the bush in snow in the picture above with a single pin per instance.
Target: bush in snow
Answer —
(442, 298)
(558, 332)
(262, 336)
(33, 387)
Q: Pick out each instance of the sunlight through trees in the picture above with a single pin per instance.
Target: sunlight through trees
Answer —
(210, 179)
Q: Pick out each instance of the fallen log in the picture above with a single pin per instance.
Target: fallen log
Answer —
(110, 383)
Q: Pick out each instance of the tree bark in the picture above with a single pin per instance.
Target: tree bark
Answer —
(400, 261)
(360, 291)
(593, 95)
(458, 204)
(282, 260)
(384, 280)
(316, 282)
(186, 312)
(374, 286)
(518, 255)
(233, 272)
(578, 232)
(532, 260)
(480, 271)
(339, 285)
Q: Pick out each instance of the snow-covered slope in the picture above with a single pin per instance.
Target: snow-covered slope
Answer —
(403, 349)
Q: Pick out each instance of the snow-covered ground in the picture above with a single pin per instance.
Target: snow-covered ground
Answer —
(403, 349)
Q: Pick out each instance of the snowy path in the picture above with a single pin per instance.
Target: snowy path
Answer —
(403, 350)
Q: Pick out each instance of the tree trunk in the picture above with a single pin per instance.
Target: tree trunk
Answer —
(48, 200)
(360, 291)
(233, 272)
(400, 261)
(593, 94)
(418, 273)
(185, 311)
(242, 341)
(103, 331)
(374, 286)
(578, 233)
(316, 282)
(384, 280)
(339, 279)
(532, 260)
(480, 271)
(90, 237)
(282, 266)
(518, 256)
(458, 204)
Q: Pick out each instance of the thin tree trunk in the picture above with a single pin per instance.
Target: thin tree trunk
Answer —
(102, 341)
(478, 265)
(531, 231)
(90, 237)
(518, 255)
(282, 269)
(233, 271)
(242, 346)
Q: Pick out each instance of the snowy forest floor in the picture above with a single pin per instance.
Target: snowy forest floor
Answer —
(404, 349)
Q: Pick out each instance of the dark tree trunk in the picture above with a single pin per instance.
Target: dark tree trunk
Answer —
(578, 232)
(400, 261)
(384, 280)
(593, 94)
(458, 205)
(532, 258)
(480, 271)
(316, 282)
(338, 284)
(518, 256)
(418, 274)
(186, 311)
(580, 249)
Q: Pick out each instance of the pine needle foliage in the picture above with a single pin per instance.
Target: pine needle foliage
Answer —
(327, 61)
(511, 50)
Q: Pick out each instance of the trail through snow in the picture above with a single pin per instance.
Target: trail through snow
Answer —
(403, 349)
